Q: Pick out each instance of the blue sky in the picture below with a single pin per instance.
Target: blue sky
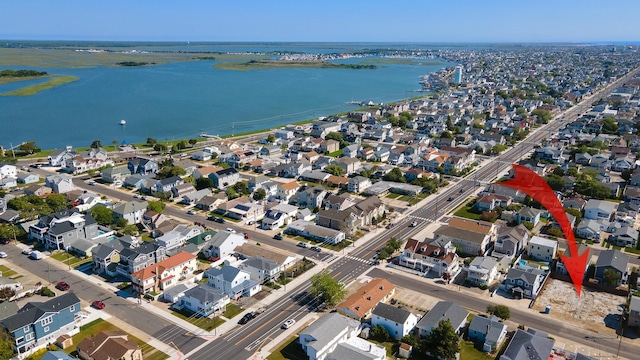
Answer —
(323, 20)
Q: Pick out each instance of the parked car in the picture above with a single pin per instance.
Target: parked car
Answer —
(191, 212)
(316, 249)
(289, 323)
(62, 286)
(247, 236)
(92, 182)
(26, 251)
(220, 220)
(136, 196)
(302, 244)
(36, 255)
(277, 237)
(246, 318)
(3, 255)
(4, 241)
(231, 230)
(98, 304)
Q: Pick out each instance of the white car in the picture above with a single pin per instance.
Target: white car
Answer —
(191, 212)
(26, 251)
(3, 255)
(289, 323)
(231, 230)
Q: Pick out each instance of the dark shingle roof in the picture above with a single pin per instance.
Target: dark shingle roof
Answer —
(442, 311)
(613, 258)
(392, 313)
(34, 310)
(528, 345)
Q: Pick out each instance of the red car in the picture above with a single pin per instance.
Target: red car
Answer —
(63, 286)
(247, 236)
(98, 304)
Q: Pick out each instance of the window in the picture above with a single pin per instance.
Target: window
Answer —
(46, 329)
(28, 337)
(26, 329)
(19, 340)
(46, 321)
(72, 308)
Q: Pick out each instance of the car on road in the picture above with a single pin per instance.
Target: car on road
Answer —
(391, 225)
(450, 198)
(247, 236)
(277, 237)
(231, 230)
(220, 220)
(289, 323)
(414, 224)
(92, 182)
(4, 241)
(302, 244)
(3, 255)
(316, 249)
(26, 251)
(191, 212)
(143, 198)
(98, 304)
(246, 318)
(63, 286)
(136, 196)
(36, 255)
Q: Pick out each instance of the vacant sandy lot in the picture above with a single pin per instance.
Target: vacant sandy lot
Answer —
(592, 311)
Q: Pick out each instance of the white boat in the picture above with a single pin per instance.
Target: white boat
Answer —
(123, 122)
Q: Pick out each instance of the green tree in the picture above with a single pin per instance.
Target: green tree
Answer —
(162, 148)
(131, 229)
(555, 232)
(575, 212)
(122, 222)
(334, 169)
(231, 193)
(242, 187)
(6, 345)
(151, 141)
(543, 115)
(29, 147)
(96, 144)
(192, 142)
(204, 182)
(259, 194)
(556, 182)
(395, 175)
(102, 215)
(337, 137)
(445, 135)
(169, 171)
(443, 342)
(163, 195)
(181, 145)
(56, 202)
(7, 231)
(611, 277)
(379, 333)
(271, 138)
(157, 206)
(329, 289)
(572, 171)
(558, 171)
(609, 126)
(501, 311)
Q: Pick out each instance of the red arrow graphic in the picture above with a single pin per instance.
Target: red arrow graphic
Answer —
(533, 185)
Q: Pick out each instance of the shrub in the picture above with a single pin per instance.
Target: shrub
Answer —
(45, 291)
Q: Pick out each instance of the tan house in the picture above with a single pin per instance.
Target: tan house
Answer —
(164, 274)
(360, 304)
(287, 190)
(107, 345)
(472, 236)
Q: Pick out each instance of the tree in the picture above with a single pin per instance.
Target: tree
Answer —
(501, 311)
(102, 215)
(169, 171)
(6, 293)
(56, 202)
(157, 206)
(575, 212)
(163, 195)
(6, 345)
(181, 145)
(543, 115)
(160, 147)
(8, 231)
(259, 194)
(151, 141)
(556, 182)
(29, 147)
(115, 144)
(329, 289)
(379, 333)
(445, 135)
(131, 229)
(395, 175)
(555, 232)
(204, 183)
(626, 175)
(122, 222)
(231, 193)
(192, 142)
(271, 138)
(334, 169)
(443, 342)
(242, 187)
(611, 277)
(609, 126)
(96, 144)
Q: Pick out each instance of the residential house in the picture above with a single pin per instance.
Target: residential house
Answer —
(286, 191)
(426, 257)
(487, 331)
(204, 300)
(224, 178)
(8, 182)
(625, 236)
(27, 178)
(528, 214)
(109, 344)
(58, 230)
(542, 249)
(37, 190)
(355, 216)
(591, 229)
(142, 166)
(137, 258)
(279, 215)
(350, 165)
(58, 157)
(574, 203)
(529, 344)
(178, 236)
(211, 202)
(443, 310)
(491, 201)
(473, 237)
(166, 185)
(38, 324)
(524, 282)
(103, 256)
(261, 269)
(164, 274)
(314, 232)
(562, 270)
(360, 304)
(311, 197)
(181, 190)
(611, 268)
(248, 212)
(482, 271)
(222, 245)
(398, 322)
(194, 197)
(600, 209)
(333, 336)
(115, 174)
(358, 184)
(511, 241)
(282, 258)
(232, 281)
(634, 312)
(92, 159)
(132, 211)
(60, 183)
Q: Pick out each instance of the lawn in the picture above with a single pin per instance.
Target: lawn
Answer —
(72, 260)
(465, 212)
(469, 352)
(291, 350)
(6, 272)
(231, 311)
(393, 196)
(201, 322)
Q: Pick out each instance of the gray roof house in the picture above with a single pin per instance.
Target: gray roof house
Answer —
(611, 260)
(194, 197)
(323, 335)
(488, 331)
(443, 310)
(132, 211)
(511, 240)
(204, 300)
(232, 281)
(399, 322)
(261, 269)
(527, 345)
(524, 282)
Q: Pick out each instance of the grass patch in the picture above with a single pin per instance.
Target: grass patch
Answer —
(393, 196)
(465, 212)
(390, 347)
(632, 250)
(201, 322)
(335, 153)
(281, 64)
(67, 258)
(6, 272)
(36, 88)
(7, 79)
(469, 352)
(232, 310)
(291, 350)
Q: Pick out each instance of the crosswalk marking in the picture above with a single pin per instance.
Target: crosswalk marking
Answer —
(359, 259)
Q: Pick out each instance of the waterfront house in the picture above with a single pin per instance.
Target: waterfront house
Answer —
(142, 166)
(38, 324)
(489, 332)
(443, 310)
(398, 322)
(110, 344)
(132, 211)
(542, 249)
(58, 157)
(164, 274)
(614, 262)
(92, 159)
(360, 304)
(59, 183)
(232, 281)
(204, 300)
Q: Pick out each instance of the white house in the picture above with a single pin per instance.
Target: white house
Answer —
(483, 270)
(177, 237)
(59, 183)
(542, 249)
(204, 300)
(222, 244)
(8, 170)
(599, 209)
(232, 281)
(132, 211)
(398, 322)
